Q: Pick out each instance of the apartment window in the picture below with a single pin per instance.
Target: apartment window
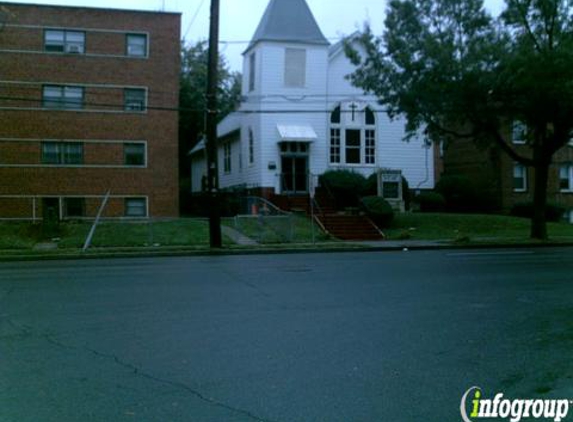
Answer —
(519, 132)
(134, 154)
(135, 207)
(566, 178)
(252, 71)
(74, 207)
(62, 153)
(352, 135)
(251, 147)
(227, 157)
(136, 45)
(64, 41)
(63, 97)
(134, 99)
(295, 68)
(519, 178)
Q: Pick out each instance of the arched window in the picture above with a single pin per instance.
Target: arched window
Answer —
(353, 134)
(335, 116)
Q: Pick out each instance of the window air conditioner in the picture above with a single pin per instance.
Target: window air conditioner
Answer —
(74, 49)
(135, 106)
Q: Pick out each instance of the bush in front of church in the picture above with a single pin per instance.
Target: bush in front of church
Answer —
(378, 210)
(345, 186)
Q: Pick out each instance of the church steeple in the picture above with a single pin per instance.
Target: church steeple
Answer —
(288, 21)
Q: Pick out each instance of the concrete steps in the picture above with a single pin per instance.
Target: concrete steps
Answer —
(350, 227)
(339, 225)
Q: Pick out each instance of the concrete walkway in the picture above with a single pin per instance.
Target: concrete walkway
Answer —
(394, 244)
(238, 237)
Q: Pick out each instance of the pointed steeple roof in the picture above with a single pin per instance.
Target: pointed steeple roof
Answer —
(288, 21)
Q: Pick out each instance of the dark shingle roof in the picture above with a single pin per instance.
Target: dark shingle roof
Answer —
(288, 21)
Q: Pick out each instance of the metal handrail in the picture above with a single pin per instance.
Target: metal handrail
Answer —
(268, 205)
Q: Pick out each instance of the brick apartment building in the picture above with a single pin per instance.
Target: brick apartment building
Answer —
(87, 106)
(503, 182)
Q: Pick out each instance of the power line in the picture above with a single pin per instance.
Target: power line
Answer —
(291, 98)
(193, 18)
(121, 106)
(339, 38)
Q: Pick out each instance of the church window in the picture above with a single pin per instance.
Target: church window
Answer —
(251, 147)
(252, 71)
(353, 135)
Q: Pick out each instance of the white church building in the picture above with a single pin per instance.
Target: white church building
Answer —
(300, 116)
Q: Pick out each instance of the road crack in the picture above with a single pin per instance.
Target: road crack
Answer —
(138, 372)
(178, 385)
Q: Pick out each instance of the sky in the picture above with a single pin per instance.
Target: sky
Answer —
(239, 18)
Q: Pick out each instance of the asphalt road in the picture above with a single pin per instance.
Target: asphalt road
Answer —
(341, 337)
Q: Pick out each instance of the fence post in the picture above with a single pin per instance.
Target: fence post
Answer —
(311, 194)
(96, 221)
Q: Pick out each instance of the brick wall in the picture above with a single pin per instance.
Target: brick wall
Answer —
(492, 171)
(104, 71)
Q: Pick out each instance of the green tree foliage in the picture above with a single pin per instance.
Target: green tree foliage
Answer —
(454, 71)
(193, 87)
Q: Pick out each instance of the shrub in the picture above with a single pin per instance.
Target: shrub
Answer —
(371, 185)
(553, 212)
(346, 187)
(379, 210)
(459, 193)
(431, 202)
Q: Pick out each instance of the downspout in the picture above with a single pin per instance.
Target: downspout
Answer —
(427, 177)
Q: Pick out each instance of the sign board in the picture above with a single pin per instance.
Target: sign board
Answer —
(390, 187)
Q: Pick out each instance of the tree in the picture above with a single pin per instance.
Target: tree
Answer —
(454, 71)
(193, 87)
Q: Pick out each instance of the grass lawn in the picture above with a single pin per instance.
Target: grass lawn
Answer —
(428, 226)
(273, 229)
(183, 232)
(17, 236)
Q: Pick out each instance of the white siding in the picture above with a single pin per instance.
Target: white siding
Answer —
(198, 170)
(235, 176)
(272, 103)
(413, 158)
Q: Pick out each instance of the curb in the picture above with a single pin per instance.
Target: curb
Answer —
(355, 247)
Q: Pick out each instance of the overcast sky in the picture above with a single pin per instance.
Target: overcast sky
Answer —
(239, 18)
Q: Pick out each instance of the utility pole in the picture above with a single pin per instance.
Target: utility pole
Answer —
(211, 119)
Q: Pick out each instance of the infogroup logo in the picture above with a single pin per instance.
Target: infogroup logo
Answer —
(512, 410)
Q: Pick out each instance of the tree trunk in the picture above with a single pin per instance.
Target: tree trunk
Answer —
(538, 224)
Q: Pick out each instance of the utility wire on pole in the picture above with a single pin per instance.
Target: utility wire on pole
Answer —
(211, 120)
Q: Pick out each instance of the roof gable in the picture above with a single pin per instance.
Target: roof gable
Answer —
(288, 21)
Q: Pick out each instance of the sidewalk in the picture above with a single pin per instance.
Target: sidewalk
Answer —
(246, 247)
(238, 237)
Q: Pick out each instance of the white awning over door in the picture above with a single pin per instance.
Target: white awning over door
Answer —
(296, 133)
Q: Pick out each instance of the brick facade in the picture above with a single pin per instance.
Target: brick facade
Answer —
(491, 172)
(104, 126)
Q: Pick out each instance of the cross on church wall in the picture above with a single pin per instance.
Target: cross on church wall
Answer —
(353, 107)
